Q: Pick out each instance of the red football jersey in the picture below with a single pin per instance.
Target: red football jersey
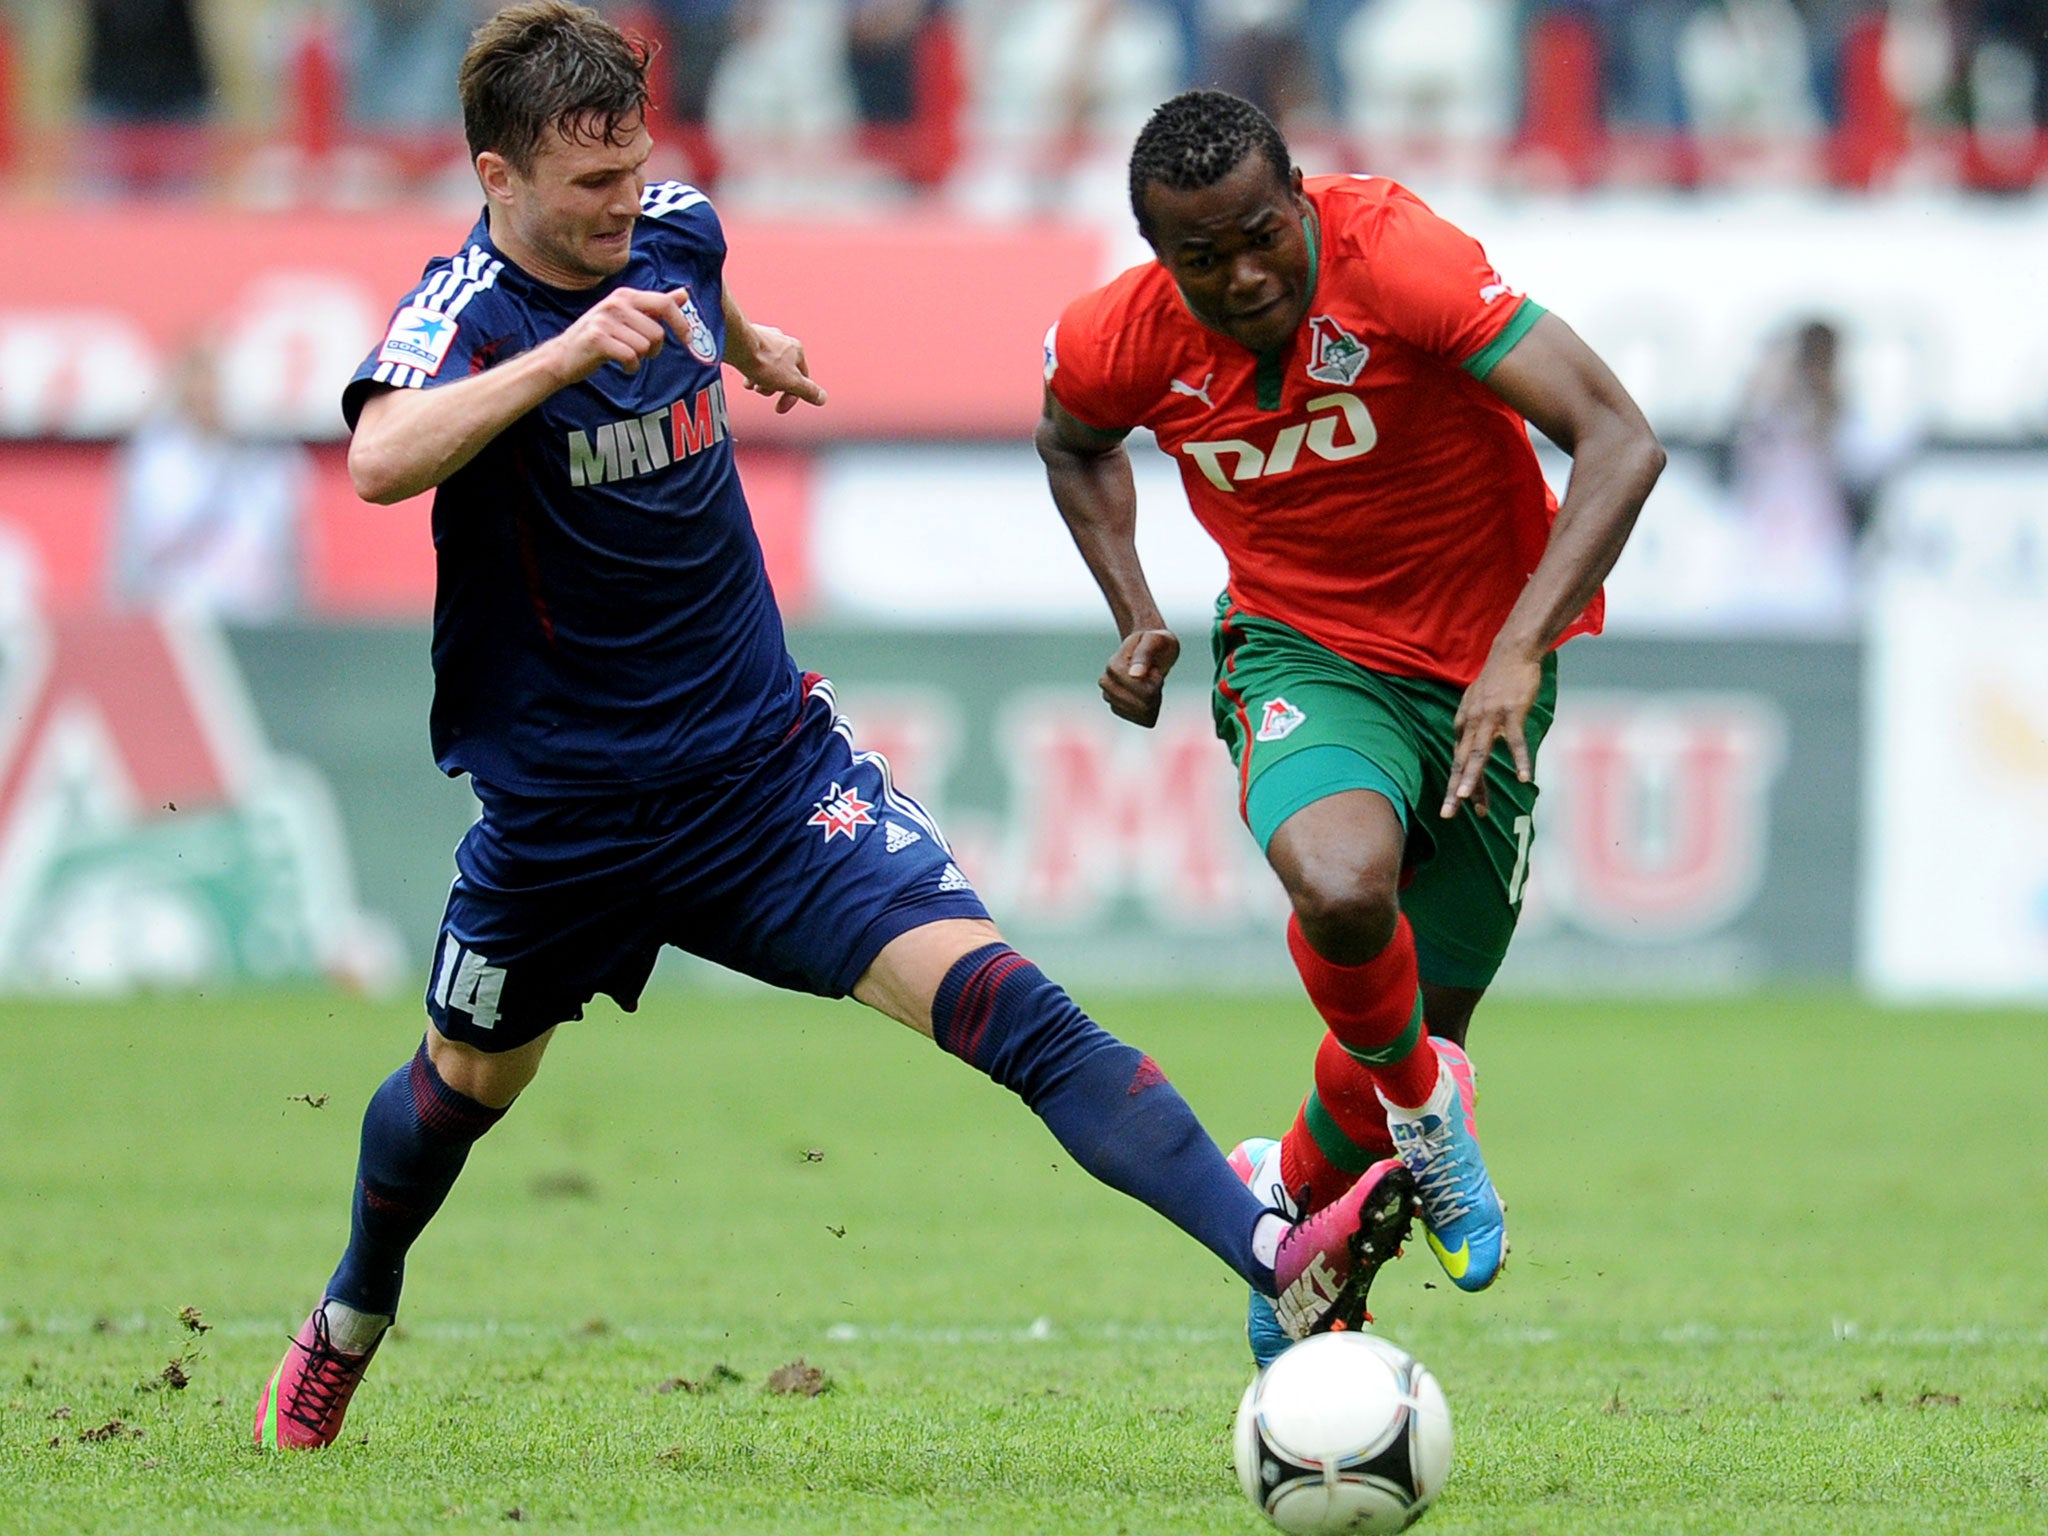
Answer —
(1367, 488)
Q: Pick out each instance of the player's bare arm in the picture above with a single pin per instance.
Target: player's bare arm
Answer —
(410, 440)
(1090, 476)
(1557, 382)
(771, 361)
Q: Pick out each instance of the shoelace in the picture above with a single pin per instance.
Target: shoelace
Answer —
(322, 1383)
(1440, 1180)
(1297, 1227)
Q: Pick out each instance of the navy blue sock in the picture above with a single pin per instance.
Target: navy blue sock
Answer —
(417, 1134)
(1109, 1105)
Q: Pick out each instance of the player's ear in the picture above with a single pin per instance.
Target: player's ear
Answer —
(1299, 188)
(494, 171)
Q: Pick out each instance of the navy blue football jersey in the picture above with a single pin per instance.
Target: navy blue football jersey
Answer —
(602, 617)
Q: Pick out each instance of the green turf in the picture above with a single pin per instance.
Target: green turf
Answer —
(1781, 1266)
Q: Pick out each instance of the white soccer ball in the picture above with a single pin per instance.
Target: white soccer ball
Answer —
(1344, 1432)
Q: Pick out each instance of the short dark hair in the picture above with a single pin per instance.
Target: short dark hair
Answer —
(546, 65)
(1197, 139)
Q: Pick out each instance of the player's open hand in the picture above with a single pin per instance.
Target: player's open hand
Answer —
(626, 326)
(1495, 708)
(1135, 678)
(774, 364)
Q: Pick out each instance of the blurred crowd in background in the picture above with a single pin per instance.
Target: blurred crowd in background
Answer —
(1010, 99)
(1005, 107)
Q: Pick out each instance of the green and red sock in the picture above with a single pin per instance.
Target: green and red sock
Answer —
(1377, 1040)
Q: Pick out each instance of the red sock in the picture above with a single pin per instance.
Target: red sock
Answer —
(1339, 1132)
(1375, 1010)
(1303, 1165)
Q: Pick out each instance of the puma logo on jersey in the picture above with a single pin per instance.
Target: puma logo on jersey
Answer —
(1182, 387)
(1247, 461)
(639, 445)
(1496, 288)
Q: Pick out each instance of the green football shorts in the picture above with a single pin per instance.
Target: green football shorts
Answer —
(1302, 723)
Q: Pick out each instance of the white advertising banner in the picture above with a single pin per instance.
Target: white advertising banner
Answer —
(1956, 864)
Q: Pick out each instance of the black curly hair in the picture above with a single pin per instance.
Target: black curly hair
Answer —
(1197, 139)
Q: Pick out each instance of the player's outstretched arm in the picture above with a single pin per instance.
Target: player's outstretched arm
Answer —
(1090, 476)
(1556, 381)
(410, 440)
(771, 361)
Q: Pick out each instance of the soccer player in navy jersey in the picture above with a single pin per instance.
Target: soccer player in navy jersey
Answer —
(610, 671)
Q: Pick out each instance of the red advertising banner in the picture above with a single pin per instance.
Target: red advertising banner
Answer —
(919, 327)
(356, 561)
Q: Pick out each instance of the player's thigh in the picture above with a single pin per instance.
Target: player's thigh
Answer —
(1302, 723)
(1464, 902)
(521, 951)
(837, 863)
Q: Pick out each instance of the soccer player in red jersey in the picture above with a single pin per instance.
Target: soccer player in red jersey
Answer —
(1344, 380)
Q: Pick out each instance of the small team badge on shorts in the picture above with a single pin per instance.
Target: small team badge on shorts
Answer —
(1278, 719)
(841, 812)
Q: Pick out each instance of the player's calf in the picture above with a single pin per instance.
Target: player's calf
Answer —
(417, 1132)
(1108, 1103)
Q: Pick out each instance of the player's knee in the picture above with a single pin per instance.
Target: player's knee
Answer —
(1347, 916)
(491, 1078)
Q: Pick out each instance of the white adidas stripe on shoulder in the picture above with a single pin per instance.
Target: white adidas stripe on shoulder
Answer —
(662, 198)
(466, 276)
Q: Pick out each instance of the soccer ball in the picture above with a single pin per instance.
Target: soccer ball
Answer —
(1344, 1432)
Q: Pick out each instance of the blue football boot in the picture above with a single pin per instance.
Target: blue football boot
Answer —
(1438, 1144)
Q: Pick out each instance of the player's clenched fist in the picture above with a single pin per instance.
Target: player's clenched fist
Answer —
(1136, 675)
(625, 327)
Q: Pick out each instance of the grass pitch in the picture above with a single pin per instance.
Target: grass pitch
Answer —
(1780, 1266)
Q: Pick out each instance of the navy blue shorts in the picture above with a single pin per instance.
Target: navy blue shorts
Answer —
(795, 870)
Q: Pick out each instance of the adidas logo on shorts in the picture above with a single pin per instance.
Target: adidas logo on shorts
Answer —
(897, 837)
(950, 879)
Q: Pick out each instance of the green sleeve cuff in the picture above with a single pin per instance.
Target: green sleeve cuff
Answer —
(1482, 362)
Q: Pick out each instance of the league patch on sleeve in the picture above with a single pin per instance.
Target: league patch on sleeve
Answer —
(419, 338)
